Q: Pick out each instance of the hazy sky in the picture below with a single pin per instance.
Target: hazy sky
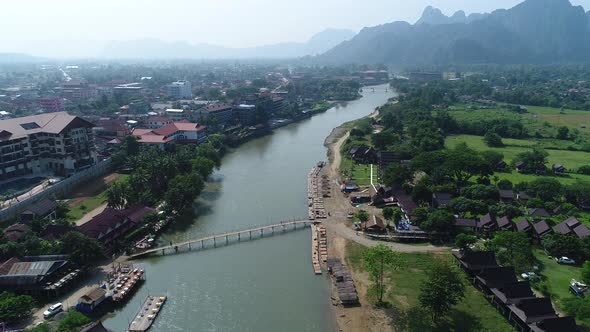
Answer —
(80, 28)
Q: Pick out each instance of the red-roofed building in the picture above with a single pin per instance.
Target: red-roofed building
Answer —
(177, 132)
(154, 122)
(111, 224)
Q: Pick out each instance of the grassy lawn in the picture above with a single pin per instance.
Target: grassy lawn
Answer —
(570, 159)
(88, 205)
(474, 313)
(91, 203)
(558, 279)
(533, 120)
(516, 177)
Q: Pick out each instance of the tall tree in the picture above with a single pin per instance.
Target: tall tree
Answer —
(378, 260)
(442, 289)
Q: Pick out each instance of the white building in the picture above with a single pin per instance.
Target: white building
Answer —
(46, 142)
(179, 90)
(176, 114)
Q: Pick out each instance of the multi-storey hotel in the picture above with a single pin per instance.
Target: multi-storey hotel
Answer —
(56, 142)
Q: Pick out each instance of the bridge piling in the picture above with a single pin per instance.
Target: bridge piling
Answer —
(214, 242)
(226, 240)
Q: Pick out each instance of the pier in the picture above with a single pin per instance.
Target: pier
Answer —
(147, 313)
(224, 238)
(318, 187)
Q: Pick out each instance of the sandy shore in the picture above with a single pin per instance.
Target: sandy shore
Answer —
(364, 317)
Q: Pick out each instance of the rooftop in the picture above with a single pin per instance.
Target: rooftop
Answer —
(53, 123)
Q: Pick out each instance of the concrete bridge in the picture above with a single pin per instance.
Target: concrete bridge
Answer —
(224, 238)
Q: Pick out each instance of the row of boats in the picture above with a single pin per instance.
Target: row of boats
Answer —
(318, 187)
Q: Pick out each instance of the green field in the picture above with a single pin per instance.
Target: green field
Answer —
(78, 211)
(569, 159)
(361, 174)
(558, 279)
(534, 120)
(473, 313)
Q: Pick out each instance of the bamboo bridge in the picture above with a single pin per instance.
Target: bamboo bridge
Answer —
(224, 238)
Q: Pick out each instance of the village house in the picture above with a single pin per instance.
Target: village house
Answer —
(495, 277)
(523, 225)
(16, 231)
(91, 299)
(572, 226)
(539, 213)
(44, 209)
(466, 224)
(363, 155)
(555, 324)
(32, 273)
(373, 225)
(558, 169)
(474, 262)
(512, 293)
(441, 200)
(506, 196)
(406, 204)
(531, 311)
(505, 224)
(111, 224)
(487, 223)
(541, 228)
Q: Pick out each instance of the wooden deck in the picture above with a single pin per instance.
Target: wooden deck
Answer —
(225, 237)
(147, 313)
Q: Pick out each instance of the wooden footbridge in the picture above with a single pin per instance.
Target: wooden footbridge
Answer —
(224, 238)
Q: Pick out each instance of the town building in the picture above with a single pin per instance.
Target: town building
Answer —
(78, 91)
(245, 114)
(52, 104)
(176, 114)
(183, 132)
(129, 89)
(155, 122)
(56, 142)
(219, 112)
(179, 90)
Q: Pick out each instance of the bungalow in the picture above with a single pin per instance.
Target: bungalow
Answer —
(541, 228)
(473, 262)
(512, 293)
(495, 277)
(111, 224)
(373, 225)
(15, 232)
(363, 155)
(558, 324)
(385, 158)
(44, 209)
(406, 204)
(572, 226)
(92, 299)
(520, 166)
(558, 169)
(522, 196)
(506, 196)
(501, 166)
(487, 223)
(441, 200)
(505, 224)
(523, 225)
(360, 198)
(531, 311)
(469, 224)
(539, 213)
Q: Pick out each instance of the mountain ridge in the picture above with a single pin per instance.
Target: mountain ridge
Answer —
(534, 31)
(157, 49)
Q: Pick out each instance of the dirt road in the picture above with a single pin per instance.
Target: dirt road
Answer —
(364, 317)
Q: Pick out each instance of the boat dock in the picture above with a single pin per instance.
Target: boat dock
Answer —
(343, 282)
(123, 280)
(318, 187)
(147, 313)
(319, 249)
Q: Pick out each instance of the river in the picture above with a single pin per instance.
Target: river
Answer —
(262, 285)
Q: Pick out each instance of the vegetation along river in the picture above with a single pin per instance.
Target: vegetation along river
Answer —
(262, 285)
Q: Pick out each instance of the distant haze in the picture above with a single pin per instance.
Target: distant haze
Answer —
(73, 28)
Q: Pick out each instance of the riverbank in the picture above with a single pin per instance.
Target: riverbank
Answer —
(340, 234)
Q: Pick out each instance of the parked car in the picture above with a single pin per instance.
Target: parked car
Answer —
(53, 310)
(579, 292)
(530, 276)
(565, 260)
